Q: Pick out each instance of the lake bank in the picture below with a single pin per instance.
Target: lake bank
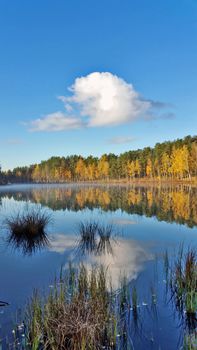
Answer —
(134, 182)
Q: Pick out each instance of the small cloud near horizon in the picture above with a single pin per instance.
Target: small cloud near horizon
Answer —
(97, 100)
(119, 140)
(14, 141)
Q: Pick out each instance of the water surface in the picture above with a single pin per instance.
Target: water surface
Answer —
(146, 222)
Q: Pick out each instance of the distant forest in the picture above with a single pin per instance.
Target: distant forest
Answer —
(172, 160)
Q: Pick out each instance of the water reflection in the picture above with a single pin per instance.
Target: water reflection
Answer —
(27, 230)
(121, 256)
(167, 203)
(128, 259)
(27, 244)
(61, 243)
(3, 303)
(95, 239)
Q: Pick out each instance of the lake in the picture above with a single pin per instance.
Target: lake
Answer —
(146, 220)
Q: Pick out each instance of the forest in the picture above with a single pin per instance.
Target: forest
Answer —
(171, 160)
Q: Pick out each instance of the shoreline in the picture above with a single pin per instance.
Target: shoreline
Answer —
(125, 182)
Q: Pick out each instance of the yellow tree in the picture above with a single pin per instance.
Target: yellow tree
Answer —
(36, 173)
(137, 168)
(103, 167)
(193, 159)
(80, 169)
(165, 164)
(61, 173)
(96, 172)
(89, 173)
(149, 168)
(180, 162)
(131, 169)
(57, 175)
(67, 174)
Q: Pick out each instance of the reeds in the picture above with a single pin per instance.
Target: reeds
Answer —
(27, 230)
(82, 312)
(76, 315)
(182, 282)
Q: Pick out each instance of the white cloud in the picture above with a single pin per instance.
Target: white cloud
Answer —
(118, 140)
(55, 122)
(98, 99)
(106, 99)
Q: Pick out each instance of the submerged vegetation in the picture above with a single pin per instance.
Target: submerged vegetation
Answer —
(27, 231)
(175, 160)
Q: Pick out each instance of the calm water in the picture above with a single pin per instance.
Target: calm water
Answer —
(146, 221)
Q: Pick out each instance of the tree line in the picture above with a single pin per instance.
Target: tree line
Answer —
(168, 160)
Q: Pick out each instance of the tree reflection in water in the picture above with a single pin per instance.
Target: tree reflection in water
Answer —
(170, 203)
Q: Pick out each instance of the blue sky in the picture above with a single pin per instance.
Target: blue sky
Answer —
(99, 48)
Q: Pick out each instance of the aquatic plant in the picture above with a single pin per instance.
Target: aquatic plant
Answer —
(76, 315)
(27, 230)
(190, 342)
(182, 282)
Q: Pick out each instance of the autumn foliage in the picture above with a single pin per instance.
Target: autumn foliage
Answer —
(169, 160)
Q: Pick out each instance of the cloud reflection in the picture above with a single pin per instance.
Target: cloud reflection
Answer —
(128, 256)
(60, 243)
(124, 222)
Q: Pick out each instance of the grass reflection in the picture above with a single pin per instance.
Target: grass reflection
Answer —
(95, 238)
(27, 231)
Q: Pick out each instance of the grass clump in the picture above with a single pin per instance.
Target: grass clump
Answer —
(182, 285)
(76, 315)
(27, 230)
(184, 280)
